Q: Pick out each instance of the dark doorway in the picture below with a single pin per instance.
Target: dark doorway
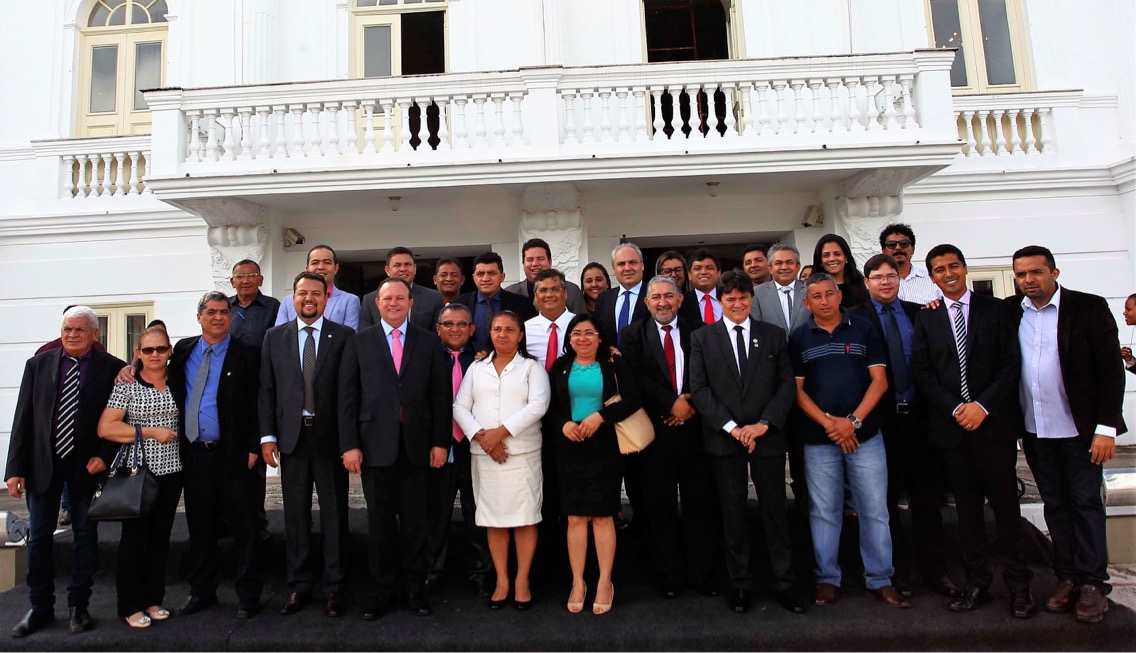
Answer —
(424, 53)
(362, 277)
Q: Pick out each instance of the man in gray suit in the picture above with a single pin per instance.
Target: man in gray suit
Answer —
(780, 301)
(428, 303)
(536, 256)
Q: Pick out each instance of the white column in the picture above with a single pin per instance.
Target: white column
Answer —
(259, 52)
(552, 212)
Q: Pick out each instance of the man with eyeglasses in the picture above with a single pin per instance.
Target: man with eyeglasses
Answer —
(898, 241)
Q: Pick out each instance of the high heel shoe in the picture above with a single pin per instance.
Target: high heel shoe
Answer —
(604, 608)
(576, 607)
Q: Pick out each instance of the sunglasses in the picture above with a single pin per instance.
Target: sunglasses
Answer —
(160, 349)
(893, 244)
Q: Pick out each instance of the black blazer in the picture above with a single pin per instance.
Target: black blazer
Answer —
(644, 355)
(510, 301)
(378, 407)
(424, 313)
(282, 386)
(30, 453)
(868, 310)
(722, 394)
(691, 310)
(993, 367)
(1087, 342)
(236, 398)
(605, 317)
(560, 407)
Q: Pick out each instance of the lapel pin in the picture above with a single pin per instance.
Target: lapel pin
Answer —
(755, 343)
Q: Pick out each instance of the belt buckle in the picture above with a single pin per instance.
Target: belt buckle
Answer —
(902, 408)
(309, 421)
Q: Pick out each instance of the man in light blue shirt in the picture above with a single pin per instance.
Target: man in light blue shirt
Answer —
(342, 306)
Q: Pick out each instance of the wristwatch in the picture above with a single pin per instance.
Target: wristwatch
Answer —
(857, 423)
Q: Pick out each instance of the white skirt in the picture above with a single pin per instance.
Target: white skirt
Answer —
(508, 495)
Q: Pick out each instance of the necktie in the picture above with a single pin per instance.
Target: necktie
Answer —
(960, 343)
(309, 369)
(68, 407)
(457, 380)
(739, 337)
(899, 372)
(708, 311)
(192, 413)
(553, 348)
(488, 319)
(396, 350)
(669, 352)
(624, 316)
(787, 305)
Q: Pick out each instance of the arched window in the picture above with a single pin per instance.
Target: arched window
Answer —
(123, 53)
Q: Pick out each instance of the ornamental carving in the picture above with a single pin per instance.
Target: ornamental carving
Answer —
(863, 218)
(551, 212)
(232, 243)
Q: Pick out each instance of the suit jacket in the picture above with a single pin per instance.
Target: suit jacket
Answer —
(30, 448)
(510, 301)
(992, 370)
(607, 320)
(424, 313)
(691, 310)
(868, 310)
(766, 390)
(379, 407)
(1087, 342)
(282, 386)
(236, 398)
(576, 302)
(644, 355)
(560, 407)
(767, 306)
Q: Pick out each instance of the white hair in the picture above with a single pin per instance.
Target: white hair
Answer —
(626, 245)
(81, 312)
(663, 279)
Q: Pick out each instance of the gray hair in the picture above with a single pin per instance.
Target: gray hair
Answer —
(454, 306)
(626, 245)
(778, 247)
(820, 277)
(81, 312)
(211, 296)
(663, 278)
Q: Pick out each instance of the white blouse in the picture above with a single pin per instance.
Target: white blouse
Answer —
(517, 399)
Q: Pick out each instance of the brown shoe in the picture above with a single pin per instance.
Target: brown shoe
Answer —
(826, 594)
(296, 601)
(889, 595)
(335, 605)
(1091, 605)
(1063, 598)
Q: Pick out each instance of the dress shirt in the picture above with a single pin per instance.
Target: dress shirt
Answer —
(516, 399)
(481, 333)
(250, 322)
(917, 287)
(538, 329)
(730, 324)
(786, 300)
(342, 307)
(635, 297)
(680, 358)
(301, 338)
(949, 304)
(907, 336)
(401, 330)
(713, 294)
(65, 364)
(208, 420)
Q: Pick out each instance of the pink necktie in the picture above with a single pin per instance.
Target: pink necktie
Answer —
(457, 377)
(553, 348)
(396, 350)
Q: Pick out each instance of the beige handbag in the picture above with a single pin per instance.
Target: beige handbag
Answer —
(635, 432)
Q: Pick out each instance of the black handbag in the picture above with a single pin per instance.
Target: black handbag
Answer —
(128, 489)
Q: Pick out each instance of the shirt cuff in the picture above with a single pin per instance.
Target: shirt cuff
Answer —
(729, 426)
(1131, 364)
(956, 410)
(1107, 431)
(268, 439)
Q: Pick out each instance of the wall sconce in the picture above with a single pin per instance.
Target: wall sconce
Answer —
(394, 201)
(712, 188)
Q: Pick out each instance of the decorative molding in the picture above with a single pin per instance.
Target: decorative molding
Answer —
(1124, 172)
(224, 211)
(552, 212)
(231, 243)
(863, 217)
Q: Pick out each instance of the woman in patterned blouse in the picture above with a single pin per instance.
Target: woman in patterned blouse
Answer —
(145, 543)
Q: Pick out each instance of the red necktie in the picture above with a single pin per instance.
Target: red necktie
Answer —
(457, 378)
(553, 347)
(669, 352)
(708, 314)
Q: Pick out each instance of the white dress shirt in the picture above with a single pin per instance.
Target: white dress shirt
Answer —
(786, 299)
(301, 339)
(680, 358)
(701, 297)
(342, 307)
(950, 306)
(516, 399)
(917, 287)
(733, 337)
(538, 330)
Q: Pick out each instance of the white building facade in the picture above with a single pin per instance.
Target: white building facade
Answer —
(671, 123)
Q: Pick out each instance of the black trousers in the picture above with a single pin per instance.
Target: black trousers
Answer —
(675, 466)
(1069, 482)
(144, 549)
(43, 509)
(215, 486)
(396, 522)
(980, 468)
(913, 468)
(443, 486)
(300, 470)
(768, 475)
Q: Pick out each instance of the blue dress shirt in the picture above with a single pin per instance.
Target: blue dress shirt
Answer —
(208, 419)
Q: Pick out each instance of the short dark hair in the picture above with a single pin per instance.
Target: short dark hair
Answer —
(311, 276)
(489, 258)
(395, 251)
(454, 306)
(756, 247)
(572, 324)
(1132, 297)
(820, 277)
(389, 280)
(703, 253)
(943, 250)
(734, 280)
(897, 228)
(594, 265)
(551, 273)
(449, 261)
(879, 260)
(334, 256)
(1037, 250)
(536, 242)
(157, 323)
(247, 261)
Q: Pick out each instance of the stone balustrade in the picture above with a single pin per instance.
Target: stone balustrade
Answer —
(1010, 124)
(100, 167)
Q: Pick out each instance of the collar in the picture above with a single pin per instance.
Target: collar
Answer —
(965, 299)
(673, 324)
(85, 357)
(387, 328)
(634, 290)
(330, 289)
(730, 324)
(317, 325)
(777, 285)
(464, 350)
(1054, 301)
(219, 348)
(259, 299)
(699, 294)
(545, 324)
(482, 298)
(845, 319)
(880, 305)
(916, 271)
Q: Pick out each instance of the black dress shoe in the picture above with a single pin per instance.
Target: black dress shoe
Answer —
(378, 608)
(970, 598)
(1021, 604)
(739, 600)
(196, 604)
(433, 583)
(296, 601)
(32, 621)
(247, 609)
(497, 605)
(708, 589)
(670, 590)
(791, 602)
(80, 621)
(942, 584)
(418, 604)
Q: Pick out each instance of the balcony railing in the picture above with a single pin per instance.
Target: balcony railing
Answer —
(1011, 124)
(100, 167)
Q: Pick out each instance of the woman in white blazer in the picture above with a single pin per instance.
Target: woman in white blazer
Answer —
(499, 406)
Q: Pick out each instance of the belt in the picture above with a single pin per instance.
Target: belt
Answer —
(211, 444)
(904, 407)
(308, 420)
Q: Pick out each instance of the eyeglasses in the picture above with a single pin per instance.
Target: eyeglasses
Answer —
(576, 335)
(884, 277)
(449, 324)
(243, 277)
(160, 349)
(670, 272)
(893, 244)
(550, 291)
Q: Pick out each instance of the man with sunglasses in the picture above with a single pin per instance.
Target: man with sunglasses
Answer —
(898, 241)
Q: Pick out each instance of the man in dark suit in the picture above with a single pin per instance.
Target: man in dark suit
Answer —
(214, 378)
(299, 431)
(490, 299)
(1129, 320)
(536, 256)
(619, 306)
(703, 305)
(742, 384)
(55, 444)
(1072, 398)
(428, 303)
(911, 465)
(658, 351)
(967, 365)
(395, 420)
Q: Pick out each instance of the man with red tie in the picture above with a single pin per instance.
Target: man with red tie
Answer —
(703, 305)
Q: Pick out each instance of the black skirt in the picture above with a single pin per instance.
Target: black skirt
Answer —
(591, 474)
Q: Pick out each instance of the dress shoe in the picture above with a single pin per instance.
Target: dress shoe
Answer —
(65, 518)
(1021, 604)
(247, 609)
(969, 599)
(739, 600)
(603, 608)
(790, 601)
(296, 601)
(709, 589)
(418, 604)
(522, 605)
(826, 594)
(32, 621)
(888, 594)
(670, 590)
(1091, 605)
(1063, 598)
(196, 604)
(80, 621)
(433, 583)
(942, 584)
(378, 608)
(335, 605)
